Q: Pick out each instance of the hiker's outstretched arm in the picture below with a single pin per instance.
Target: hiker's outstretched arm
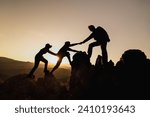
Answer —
(74, 44)
(72, 50)
(52, 53)
(87, 39)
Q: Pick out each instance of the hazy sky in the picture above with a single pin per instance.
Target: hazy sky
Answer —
(27, 25)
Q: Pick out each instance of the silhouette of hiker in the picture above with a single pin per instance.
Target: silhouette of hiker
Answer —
(39, 57)
(63, 52)
(101, 37)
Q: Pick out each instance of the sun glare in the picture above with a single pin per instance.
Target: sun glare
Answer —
(51, 59)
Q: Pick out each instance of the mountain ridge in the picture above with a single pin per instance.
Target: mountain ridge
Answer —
(6, 59)
(11, 67)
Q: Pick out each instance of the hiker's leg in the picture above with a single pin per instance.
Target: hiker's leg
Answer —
(46, 63)
(104, 53)
(36, 64)
(68, 56)
(57, 64)
(91, 47)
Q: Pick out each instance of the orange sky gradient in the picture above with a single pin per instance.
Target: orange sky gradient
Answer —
(27, 25)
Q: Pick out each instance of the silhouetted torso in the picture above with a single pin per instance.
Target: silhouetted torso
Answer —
(42, 51)
(63, 50)
(100, 35)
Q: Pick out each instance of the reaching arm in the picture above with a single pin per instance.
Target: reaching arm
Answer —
(52, 53)
(74, 44)
(87, 39)
(69, 49)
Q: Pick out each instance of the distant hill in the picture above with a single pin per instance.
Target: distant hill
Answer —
(5, 59)
(10, 67)
(7, 63)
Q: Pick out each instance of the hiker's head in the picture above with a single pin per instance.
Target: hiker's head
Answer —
(67, 43)
(48, 46)
(91, 27)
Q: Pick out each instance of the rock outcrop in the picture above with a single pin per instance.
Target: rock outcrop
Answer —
(128, 79)
(21, 87)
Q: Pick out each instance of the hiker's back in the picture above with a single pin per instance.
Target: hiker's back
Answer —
(63, 49)
(42, 51)
(101, 35)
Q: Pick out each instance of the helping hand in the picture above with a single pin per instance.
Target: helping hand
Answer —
(81, 43)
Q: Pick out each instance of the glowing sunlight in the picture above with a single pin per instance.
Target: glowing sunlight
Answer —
(51, 59)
